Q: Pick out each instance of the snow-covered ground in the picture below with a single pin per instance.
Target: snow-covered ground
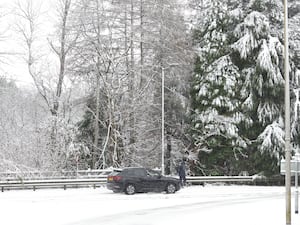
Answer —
(209, 205)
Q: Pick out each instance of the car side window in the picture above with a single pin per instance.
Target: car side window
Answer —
(141, 172)
(152, 173)
(149, 174)
(137, 172)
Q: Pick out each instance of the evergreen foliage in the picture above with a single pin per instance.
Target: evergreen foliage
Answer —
(238, 87)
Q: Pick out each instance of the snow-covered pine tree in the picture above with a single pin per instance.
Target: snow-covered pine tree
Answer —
(238, 85)
(216, 92)
(294, 40)
(258, 54)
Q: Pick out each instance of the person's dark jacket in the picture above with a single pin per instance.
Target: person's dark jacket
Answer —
(181, 170)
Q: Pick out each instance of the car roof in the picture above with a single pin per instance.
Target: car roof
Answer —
(133, 168)
(127, 168)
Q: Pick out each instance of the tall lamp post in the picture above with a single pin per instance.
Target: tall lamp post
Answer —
(287, 119)
(297, 155)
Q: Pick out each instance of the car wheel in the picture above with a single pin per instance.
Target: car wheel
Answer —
(171, 188)
(130, 189)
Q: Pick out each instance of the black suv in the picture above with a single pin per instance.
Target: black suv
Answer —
(133, 180)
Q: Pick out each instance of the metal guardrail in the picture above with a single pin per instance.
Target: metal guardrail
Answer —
(53, 183)
(211, 179)
(101, 181)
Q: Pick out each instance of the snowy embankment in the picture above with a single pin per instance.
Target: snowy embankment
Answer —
(208, 205)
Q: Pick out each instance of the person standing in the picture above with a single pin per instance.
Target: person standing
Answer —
(181, 173)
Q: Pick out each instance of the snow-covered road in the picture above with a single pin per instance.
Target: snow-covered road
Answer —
(209, 205)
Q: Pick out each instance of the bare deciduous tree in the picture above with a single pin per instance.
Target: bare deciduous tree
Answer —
(48, 66)
(128, 72)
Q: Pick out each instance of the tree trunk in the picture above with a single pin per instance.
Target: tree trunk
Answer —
(168, 153)
(132, 79)
(141, 43)
(62, 57)
(96, 124)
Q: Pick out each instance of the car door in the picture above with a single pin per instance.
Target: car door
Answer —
(153, 181)
(139, 179)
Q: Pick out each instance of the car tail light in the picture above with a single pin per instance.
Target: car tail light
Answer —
(114, 178)
(117, 178)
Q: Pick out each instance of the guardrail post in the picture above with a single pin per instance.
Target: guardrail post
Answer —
(65, 187)
(2, 189)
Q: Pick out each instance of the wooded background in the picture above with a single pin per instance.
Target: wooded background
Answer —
(97, 77)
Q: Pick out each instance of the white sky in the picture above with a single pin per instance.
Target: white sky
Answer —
(209, 205)
(14, 66)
